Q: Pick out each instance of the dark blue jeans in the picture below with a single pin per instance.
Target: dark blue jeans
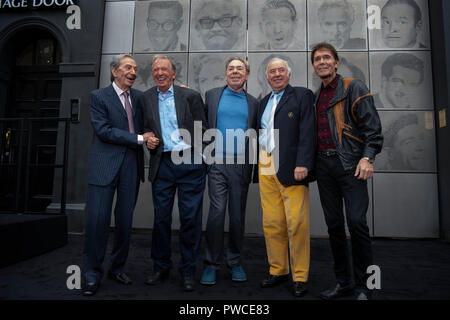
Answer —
(189, 181)
(335, 184)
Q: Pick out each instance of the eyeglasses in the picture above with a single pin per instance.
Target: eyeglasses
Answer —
(224, 22)
(166, 26)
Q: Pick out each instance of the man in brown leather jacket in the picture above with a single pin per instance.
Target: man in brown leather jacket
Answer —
(349, 137)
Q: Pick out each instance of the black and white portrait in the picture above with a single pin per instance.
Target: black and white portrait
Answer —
(341, 23)
(402, 80)
(277, 25)
(207, 70)
(409, 142)
(144, 80)
(118, 27)
(218, 25)
(351, 65)
(161, 26)
(257, 83)
(404, 25)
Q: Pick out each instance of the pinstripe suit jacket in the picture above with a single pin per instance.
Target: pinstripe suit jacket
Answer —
(112, 136)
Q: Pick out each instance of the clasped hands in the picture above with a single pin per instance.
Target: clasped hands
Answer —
(151, 140)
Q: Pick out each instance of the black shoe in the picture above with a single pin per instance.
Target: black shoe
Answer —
(157, 278)
(272, 281)
(90, 289)
(188, 283)
(337, 292)
(120, 277)
(300, 288)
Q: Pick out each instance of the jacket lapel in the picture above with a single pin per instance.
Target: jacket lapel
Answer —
(215, 107)
(288, 91)
(155, 102)
(134, 101)
(179, 107)
(115, 100)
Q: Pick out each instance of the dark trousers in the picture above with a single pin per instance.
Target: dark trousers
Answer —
(334, 185)
(189, 180)
(98, 220)
(226, 184)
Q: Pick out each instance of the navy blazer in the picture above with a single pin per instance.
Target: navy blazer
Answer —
(212, 99)
(295, 120)
(111, 135)
(189, 108)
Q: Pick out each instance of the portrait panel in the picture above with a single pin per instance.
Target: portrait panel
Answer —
(402, 80)
(218, 25)
(341, 23)
(409, 142)
(277, 25)
(351, 65)
(404, 25)
(207, 70)
(161, 26)
(257, 82)
(118, 27)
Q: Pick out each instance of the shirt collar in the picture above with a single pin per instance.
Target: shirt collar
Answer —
(333, 84)
(168, 91)
(279, 94)
(118, 90)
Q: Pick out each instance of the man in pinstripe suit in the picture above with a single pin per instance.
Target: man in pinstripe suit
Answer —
(115, 164)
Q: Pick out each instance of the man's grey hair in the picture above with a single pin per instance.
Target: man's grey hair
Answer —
(328, 4)
(279, 60)
(115, 63)
(163, 56)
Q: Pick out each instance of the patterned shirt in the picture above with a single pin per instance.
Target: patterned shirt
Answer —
(323, 126)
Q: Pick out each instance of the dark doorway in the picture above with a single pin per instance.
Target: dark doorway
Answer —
(33, 93)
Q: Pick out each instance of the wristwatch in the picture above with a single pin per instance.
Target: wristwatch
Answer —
(369, 159)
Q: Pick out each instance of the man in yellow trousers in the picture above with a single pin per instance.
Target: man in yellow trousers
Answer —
(286, 157)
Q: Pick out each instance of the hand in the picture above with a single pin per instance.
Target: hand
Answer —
(151, 140)
(364, 170)
(300, 173)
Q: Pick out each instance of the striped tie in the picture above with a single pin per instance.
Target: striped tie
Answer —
(128, 111)
(270, 126)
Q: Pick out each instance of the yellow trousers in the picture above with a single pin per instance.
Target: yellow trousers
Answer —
(285, 222)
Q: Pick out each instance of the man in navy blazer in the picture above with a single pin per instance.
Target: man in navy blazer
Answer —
(229, 108)
(174, 122)
(116, 164)
(285, 164)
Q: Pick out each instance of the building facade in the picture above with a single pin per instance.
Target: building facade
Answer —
(54, 52)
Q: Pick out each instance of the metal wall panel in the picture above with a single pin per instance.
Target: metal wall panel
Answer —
(406, 205)
(118, 27)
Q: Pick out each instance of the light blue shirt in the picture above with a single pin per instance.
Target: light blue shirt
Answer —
(266, 117)
(169, 123)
